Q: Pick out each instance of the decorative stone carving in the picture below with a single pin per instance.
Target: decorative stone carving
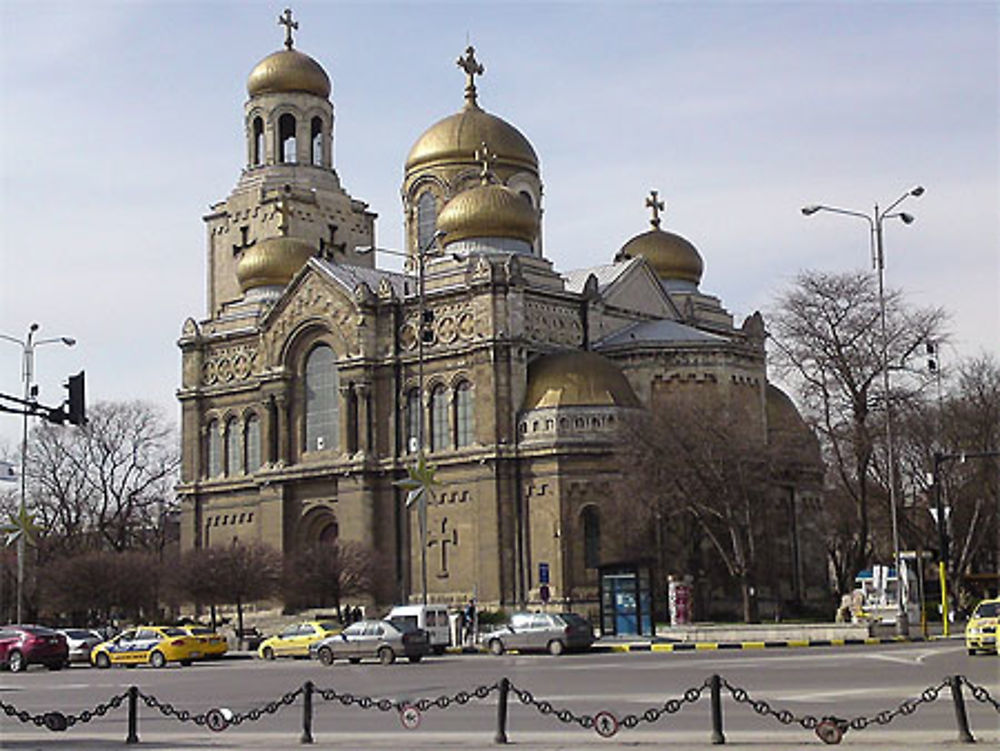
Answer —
(314, 300)
(229, 364)
(552, 324)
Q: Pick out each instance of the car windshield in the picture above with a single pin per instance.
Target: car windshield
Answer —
(200, 630)
(404, 624)
(173, 631)
(39, 630)
(329, 626)
(572, 619)
(78, 633)
(988, 610)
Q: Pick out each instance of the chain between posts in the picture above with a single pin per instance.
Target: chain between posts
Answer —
(980, 694)
(57, 721)
(200, 719)
(386, 705)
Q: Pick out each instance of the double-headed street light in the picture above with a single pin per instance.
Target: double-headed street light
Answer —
(28, 346)
(420, 476)
(875, 221)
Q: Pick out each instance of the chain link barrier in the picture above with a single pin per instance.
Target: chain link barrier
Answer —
(238, 718)
(980, 694)
(57, 721)
(385, 705)
(651, 715)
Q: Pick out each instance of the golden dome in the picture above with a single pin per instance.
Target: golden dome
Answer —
(456, 138)
(488, 211)
(577, 379)
(288, 71)
(670, 255)
(272, 262)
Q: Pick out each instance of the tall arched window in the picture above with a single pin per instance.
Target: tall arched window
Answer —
(286, 139)
(258, 142)
(591, 537)
(412, 419)
(232, 457)
(439, 419)
(316, 136)
(214, 450)
(322, 412)
(251, 444)
(464, 419)
(426, 219)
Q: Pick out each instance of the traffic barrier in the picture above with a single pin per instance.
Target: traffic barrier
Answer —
(829, 728)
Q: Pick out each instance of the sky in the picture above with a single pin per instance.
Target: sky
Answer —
(122, 122)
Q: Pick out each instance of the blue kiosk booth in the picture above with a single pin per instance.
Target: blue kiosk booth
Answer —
(626, 599)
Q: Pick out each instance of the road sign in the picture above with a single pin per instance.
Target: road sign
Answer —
(605, 724)
(543, 573)
(409, 715)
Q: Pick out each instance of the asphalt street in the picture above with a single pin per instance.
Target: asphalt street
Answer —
(554, 703)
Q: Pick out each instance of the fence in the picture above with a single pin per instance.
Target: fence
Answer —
(830, 729)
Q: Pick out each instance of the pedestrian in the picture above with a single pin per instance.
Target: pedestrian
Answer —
(470, 622)
(357, 615)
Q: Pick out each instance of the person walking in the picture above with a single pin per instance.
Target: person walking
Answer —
(470, 623)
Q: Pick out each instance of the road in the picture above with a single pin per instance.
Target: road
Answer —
(848, 682)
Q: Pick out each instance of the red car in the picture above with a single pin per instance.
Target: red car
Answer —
(21, 646)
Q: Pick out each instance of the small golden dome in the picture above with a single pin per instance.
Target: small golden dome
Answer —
(456, 138)
(272, 262)
(488, 211)
(288, 71)
(577, 379)
(670, 255)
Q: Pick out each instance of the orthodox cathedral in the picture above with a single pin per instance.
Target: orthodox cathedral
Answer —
(315, 379)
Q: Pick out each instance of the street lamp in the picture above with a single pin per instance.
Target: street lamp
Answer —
(419, 473)
(875, 221)
(30, 392)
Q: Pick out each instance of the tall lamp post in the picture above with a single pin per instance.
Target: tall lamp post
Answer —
(30, 392)
(421, 477)
(875, 221)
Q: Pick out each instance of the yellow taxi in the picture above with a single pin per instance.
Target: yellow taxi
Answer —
(981, 630)
(155, 645)
(295, 640)
(213, 645)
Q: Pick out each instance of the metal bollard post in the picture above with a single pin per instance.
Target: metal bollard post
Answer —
(307, 712)
(501, 736)
(718, 738)
(964, 735)
(133, 715)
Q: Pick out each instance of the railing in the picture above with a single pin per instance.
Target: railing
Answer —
(829, 728)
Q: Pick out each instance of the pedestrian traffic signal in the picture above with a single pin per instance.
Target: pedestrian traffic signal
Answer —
(77, 409)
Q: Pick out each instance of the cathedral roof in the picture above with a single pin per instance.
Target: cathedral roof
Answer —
(660, 331)
(272, 262)
(606, 275)
(575, 379)
(288, 70)
(670, 255)
(488, 211)
(351, 276)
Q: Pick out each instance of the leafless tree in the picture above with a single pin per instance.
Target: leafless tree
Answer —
(327, 573)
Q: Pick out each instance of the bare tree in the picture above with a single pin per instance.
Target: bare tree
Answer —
(828, 344)
(328, 573)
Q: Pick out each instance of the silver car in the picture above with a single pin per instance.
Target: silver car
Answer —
(379, 640)
(80, 641)
(554, 633)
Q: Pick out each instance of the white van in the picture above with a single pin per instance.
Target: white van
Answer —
(432, 618)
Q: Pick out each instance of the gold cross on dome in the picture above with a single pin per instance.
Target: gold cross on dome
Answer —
(656, 205)
(485, 157)
(286, 21)
(472, 68)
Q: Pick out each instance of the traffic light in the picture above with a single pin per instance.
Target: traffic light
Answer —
(77, 408)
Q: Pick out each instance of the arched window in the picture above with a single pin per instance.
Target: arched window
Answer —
(322, 413)
(464, 418)
(214, 449)
(439, 419)
(232, 457)
(251, 444)
(258, 142)
(412, 421)
(316, 135)
(286, 139)
(591, 537)
(426, 219)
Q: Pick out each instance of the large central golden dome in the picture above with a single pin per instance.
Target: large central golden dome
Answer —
(577, 379)
(488, 211)
(288, 71)
(456, 138)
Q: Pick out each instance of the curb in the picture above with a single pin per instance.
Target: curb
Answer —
(709, 646)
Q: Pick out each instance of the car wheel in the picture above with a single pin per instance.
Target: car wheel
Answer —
(268, 653)
(415, 658)
(16, 662)
(556, 647)
(102, 660)
(157, 660)
(326, 655)
(972, 651)
(496, 647)
(386, 656)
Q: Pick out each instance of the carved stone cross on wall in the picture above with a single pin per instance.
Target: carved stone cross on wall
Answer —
(443, 539)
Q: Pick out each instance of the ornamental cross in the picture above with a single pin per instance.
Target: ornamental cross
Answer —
(20, 525)
(485, 157)
(657, 206)
(286, 21)
(472, 68)
(445, 539)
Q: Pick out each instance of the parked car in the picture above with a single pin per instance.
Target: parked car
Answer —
(156, 645)
(379, 640)
(24, 645)
(213, 645)
(80, 642)
(551, 632)
(295, 640)
(981, 630)
(431, 618)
